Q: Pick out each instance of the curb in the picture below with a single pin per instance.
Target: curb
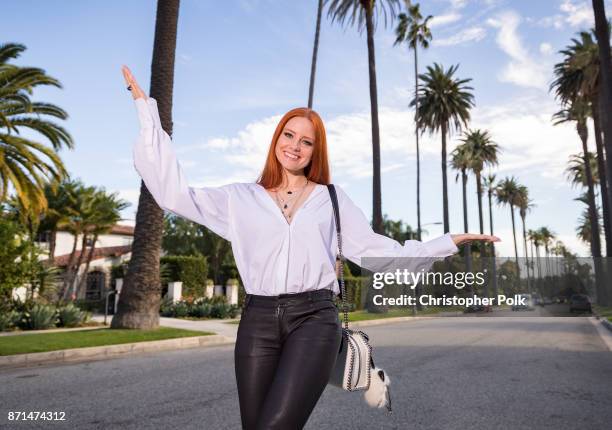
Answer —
(606, 323)
(52, 330)
(111, 351)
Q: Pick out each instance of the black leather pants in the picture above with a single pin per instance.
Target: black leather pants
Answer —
(285, 350)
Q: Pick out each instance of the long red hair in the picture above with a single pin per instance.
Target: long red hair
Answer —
(318, 168)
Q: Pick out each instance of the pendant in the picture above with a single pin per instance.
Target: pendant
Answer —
(285, 206)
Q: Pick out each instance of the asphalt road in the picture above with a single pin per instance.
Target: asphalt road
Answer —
(446, 373)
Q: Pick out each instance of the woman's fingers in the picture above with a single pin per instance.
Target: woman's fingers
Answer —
(461, 239)
(136, 91)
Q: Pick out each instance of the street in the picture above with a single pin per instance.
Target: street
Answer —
(446, 373)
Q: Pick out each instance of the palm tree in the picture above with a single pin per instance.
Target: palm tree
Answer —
(490, 186)
(483, 153)
(578, 111)
(535, 239)
(576, 171)
(578, 75)
(546, 237)
(21, 164)
(583, 230)
(412, 28)
(602, 32)
(525, 204)
(507, 193)
(61, 201)
(141, 294)
(461, 161)
(106, 212)
(444, 104)
(315, 49)
(366, 13)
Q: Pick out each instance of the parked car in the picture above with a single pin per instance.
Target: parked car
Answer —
(528, 303)
(580, 302)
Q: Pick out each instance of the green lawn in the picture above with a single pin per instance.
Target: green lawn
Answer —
(603, 311)
(43, 342)
(363, 315)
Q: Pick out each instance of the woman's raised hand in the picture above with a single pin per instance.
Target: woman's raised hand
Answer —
(136, 91)
(464, 238)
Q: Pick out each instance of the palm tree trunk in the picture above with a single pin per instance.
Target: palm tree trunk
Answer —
(377, 221)
(416, 135)
(467, 247)
(79, 262)
(141, 294)
(68, 271)
(603, 177)
(83, 279)
(444, 182)
(493, 265)
(313, 66)
(594, 220)
(518, 270)
(605, 73)
(526, 255)
(52, 244)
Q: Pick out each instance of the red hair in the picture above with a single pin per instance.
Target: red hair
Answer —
(318, 168)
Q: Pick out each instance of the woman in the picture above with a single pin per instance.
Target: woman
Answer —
(284, 242)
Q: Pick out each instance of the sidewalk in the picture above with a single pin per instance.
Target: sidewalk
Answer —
(218, 326)
(225, 334)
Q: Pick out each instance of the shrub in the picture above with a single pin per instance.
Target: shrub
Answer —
(71, 316)
(40, 317)
(201, 310)
(9, 319)
(190, 270)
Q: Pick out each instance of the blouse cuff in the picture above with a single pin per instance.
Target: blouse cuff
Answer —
(442, 246)
(148, 115)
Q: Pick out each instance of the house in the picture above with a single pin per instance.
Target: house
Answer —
(112, 248)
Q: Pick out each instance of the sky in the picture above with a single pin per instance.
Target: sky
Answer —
(241, 64)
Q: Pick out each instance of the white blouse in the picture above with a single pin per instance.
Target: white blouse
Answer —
(272, 255)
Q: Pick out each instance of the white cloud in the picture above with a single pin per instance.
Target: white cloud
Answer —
(577, 14)
(546, 48)
(468, 35)
(440, 20)
(572, 13)
(522, 70)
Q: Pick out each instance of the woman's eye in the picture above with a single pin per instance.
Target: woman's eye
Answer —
(288, 135)
(308, 143)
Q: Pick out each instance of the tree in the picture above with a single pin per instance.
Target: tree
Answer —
(461, 161)
(21, 164)
(525, 204)
(366, 13)
(578, 76)
(602, 32)
(489, 184)
(578, 111)
(313, 66)
(141, 294)
(413, 29)
(444, 104)
(507, 193)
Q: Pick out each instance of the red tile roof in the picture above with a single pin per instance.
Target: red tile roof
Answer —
(109, 251)
(126, 230)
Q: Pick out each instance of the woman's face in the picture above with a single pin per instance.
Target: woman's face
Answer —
(295, 144)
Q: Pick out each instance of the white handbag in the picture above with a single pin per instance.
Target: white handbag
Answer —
(354, 369)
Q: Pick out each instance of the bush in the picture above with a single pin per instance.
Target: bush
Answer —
(215, 307)
(72, 316)
(9, 320)
(192, 271)
(40, 317)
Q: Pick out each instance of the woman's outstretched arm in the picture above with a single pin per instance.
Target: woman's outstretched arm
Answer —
(156, 162)
(359, 240)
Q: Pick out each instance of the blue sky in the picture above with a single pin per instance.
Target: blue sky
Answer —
(242, 63)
